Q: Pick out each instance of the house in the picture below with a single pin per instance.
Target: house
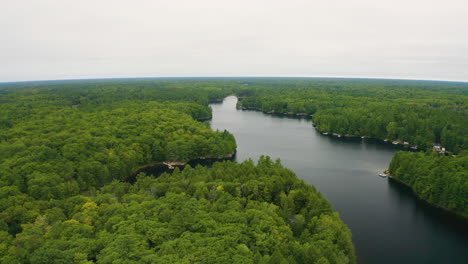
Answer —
(438, 148)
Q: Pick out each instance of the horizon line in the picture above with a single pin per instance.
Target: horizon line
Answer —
(233, 77)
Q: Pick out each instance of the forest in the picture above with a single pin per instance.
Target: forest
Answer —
(67, 149)
(420, 113)
(56, 154)
(230, 213)
(440, 180)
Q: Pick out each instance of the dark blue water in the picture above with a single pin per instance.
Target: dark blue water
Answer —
(388, 223)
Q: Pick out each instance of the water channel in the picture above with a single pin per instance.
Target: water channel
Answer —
(388, 223)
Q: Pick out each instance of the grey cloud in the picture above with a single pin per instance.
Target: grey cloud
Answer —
(60, 39)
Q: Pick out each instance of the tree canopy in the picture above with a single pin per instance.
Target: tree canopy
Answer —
(230, 213)
(67, 147)
(421, 113)
(438, 179)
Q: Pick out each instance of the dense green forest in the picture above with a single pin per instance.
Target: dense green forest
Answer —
(437, 179)
(67, 147)
(56, 154)
(421, 113)
(231, 213)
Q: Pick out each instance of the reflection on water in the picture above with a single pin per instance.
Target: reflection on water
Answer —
(389, 225)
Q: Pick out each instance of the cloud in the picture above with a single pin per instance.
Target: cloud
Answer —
(60, 39)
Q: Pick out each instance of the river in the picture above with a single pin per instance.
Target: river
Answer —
(388, 223)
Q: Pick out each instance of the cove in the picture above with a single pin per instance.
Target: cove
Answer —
(389, 224)
(157, 168)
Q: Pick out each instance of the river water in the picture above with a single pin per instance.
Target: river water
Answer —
(388, 224)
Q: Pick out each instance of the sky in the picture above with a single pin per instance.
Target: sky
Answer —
(64, 39)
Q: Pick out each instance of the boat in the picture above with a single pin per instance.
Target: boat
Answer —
(383, 175)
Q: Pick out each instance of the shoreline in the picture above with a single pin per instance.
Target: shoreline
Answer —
(289, 114)
(396, 142)
(427, 203)
(160, 167)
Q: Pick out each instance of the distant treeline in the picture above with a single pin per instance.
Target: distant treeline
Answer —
(421, 113)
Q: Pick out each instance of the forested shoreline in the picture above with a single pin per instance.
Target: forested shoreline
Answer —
(417, 114)
(440, 180)
(66, 147)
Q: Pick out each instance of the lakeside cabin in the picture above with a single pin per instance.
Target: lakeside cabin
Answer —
(438, 148)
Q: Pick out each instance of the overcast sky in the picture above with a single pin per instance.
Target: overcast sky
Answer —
(70, 39)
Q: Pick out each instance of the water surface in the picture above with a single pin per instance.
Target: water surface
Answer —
(388, 224)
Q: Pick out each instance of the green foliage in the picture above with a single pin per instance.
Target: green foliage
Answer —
(67, 146)
(58, 154)
(230, 213)
(417, 112)
(439, 180)
(421, 113)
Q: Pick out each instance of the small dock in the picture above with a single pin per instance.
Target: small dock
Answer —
(384, 174)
